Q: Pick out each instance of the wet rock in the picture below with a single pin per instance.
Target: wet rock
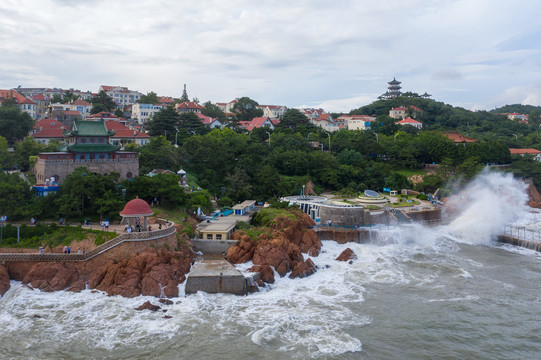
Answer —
(243, 251)
(53, 277)
(346, 255)
(165, 301)
(4, 281)
(266, 273)
(148, 306)
(302, 269)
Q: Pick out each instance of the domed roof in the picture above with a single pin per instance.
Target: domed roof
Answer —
(137, 207)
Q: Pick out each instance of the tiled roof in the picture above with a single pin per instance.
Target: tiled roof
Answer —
(458, 138)
(49, 133)
(48, 124)
(524, 151)
(408, 121)
(20, 99)
(81, 103)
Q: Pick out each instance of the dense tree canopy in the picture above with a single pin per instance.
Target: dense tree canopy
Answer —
(102, 102)
(14, 123)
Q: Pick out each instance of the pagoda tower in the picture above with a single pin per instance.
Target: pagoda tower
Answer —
(393, 90)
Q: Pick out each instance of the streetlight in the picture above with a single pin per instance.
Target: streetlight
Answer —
(329, 141)
(269, 136)
(377, 137)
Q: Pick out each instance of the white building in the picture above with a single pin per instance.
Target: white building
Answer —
(121, 94)
(142, 113)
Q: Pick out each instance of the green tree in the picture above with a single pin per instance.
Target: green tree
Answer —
(149, 98)
(294, 119)
(213, 111)
(246, 109)
(102, 102)
(164, 122)
(14, 124)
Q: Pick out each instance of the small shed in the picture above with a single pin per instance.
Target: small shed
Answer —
(134, 209)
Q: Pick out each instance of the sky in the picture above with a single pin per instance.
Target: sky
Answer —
(338, 55)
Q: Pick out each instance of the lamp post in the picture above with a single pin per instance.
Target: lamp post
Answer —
(329, 141)
(269, 137)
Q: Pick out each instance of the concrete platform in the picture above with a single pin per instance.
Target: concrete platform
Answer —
(215, 276)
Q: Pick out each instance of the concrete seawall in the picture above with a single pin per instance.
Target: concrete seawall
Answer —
(518, 242)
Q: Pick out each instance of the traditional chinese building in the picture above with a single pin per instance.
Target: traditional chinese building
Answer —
(87, 145)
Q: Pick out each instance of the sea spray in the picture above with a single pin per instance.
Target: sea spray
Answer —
(489, 202)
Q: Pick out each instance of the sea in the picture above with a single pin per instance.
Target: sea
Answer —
(413, 292)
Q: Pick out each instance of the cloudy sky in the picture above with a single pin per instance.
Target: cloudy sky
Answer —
(336, 54)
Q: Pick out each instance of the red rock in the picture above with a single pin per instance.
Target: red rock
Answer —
(4, 281)
(148, 306)
(53, 277)
(346, 255)
(265, 272)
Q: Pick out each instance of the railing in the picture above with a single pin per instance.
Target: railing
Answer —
(522, 233)
(136, 236)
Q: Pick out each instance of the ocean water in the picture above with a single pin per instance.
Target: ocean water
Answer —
(448, 292)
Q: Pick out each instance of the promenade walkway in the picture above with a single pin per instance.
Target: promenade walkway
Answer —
(167, 230)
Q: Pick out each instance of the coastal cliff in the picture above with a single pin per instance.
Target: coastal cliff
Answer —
(279, 245)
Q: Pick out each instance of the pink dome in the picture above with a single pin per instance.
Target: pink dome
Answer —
(137, 207)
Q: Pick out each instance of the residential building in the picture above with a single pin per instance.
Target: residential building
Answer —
(210, 122)
(257, 122)
(105, 115)
(272, 111)
(23, 103)
(87, 145)
(142, 113)
(124, 135)
(42, 105)
(533, 152)
(410, 121)
(188, 106)
(357, 122)
(121, 94)
(48, 130)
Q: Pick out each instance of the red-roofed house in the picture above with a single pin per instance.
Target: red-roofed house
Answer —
(45, 136)
(398, 112)
(535, 153)
(188, 106)
(357, 122)
(410, 121)
(257, 122)
(23, 103)
(124, 134)
(209, 121)
(104, 115)
(83, 107)
(272, 111)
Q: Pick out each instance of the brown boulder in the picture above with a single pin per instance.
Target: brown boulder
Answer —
(53, 277)
(242, 252)
(265, 273)
(302, 269)
(346, 255)
(148, 306)
(4, 281)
